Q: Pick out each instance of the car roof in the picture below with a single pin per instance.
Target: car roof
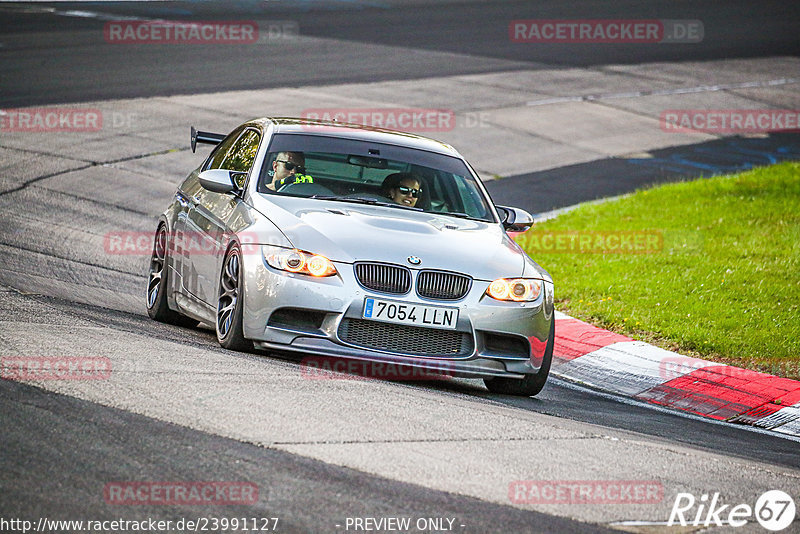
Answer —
(293, 125)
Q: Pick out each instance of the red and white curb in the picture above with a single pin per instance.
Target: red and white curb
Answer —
(617, 364)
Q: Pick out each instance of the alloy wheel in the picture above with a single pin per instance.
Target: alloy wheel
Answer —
(228, 294)
(157, 264)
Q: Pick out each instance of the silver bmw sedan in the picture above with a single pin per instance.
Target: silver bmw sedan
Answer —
(352, 242)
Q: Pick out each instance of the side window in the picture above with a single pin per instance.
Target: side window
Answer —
(243, 152)
(219, 153)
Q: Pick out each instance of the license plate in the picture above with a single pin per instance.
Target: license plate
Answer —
(391, 311)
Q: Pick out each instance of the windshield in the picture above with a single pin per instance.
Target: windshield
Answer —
(355, 171)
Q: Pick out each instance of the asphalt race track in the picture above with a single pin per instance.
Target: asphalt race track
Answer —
(180, 408)
(354, 42)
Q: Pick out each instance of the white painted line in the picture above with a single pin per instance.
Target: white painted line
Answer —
(547, 215)
(109, 17)
(722, 522)
(663, 92)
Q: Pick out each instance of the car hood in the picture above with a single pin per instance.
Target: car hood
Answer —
(345, 232)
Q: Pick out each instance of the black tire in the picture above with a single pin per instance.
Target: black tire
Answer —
(230, 303)
(157, 281)
(532, 384)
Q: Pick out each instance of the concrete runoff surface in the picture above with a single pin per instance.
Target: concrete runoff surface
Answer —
(119, 179)
(550, 119)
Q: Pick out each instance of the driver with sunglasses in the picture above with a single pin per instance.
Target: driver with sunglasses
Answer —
(288, 168)
(402, 187)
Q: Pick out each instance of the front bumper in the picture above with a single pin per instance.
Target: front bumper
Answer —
(292, 312)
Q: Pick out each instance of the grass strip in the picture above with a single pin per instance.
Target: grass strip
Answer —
(708, 268)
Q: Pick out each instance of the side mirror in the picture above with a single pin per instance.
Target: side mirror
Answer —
(515, 219)
(220, 180)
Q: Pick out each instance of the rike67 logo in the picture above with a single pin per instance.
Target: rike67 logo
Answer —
(774, 510)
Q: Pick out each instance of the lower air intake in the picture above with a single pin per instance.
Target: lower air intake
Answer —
(403, 339)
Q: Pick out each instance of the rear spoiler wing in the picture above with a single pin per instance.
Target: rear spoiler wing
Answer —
(205, 137)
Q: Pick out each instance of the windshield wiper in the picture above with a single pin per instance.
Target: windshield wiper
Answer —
(462, 216)
(370, 201)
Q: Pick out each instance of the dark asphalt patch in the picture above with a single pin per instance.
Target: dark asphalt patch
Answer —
(542, 191)
(59, 452)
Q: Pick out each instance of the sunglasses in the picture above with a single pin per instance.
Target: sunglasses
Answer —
(409, 191)
(292, 166)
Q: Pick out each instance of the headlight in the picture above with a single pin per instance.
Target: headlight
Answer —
(516, 289)
(298, 261)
